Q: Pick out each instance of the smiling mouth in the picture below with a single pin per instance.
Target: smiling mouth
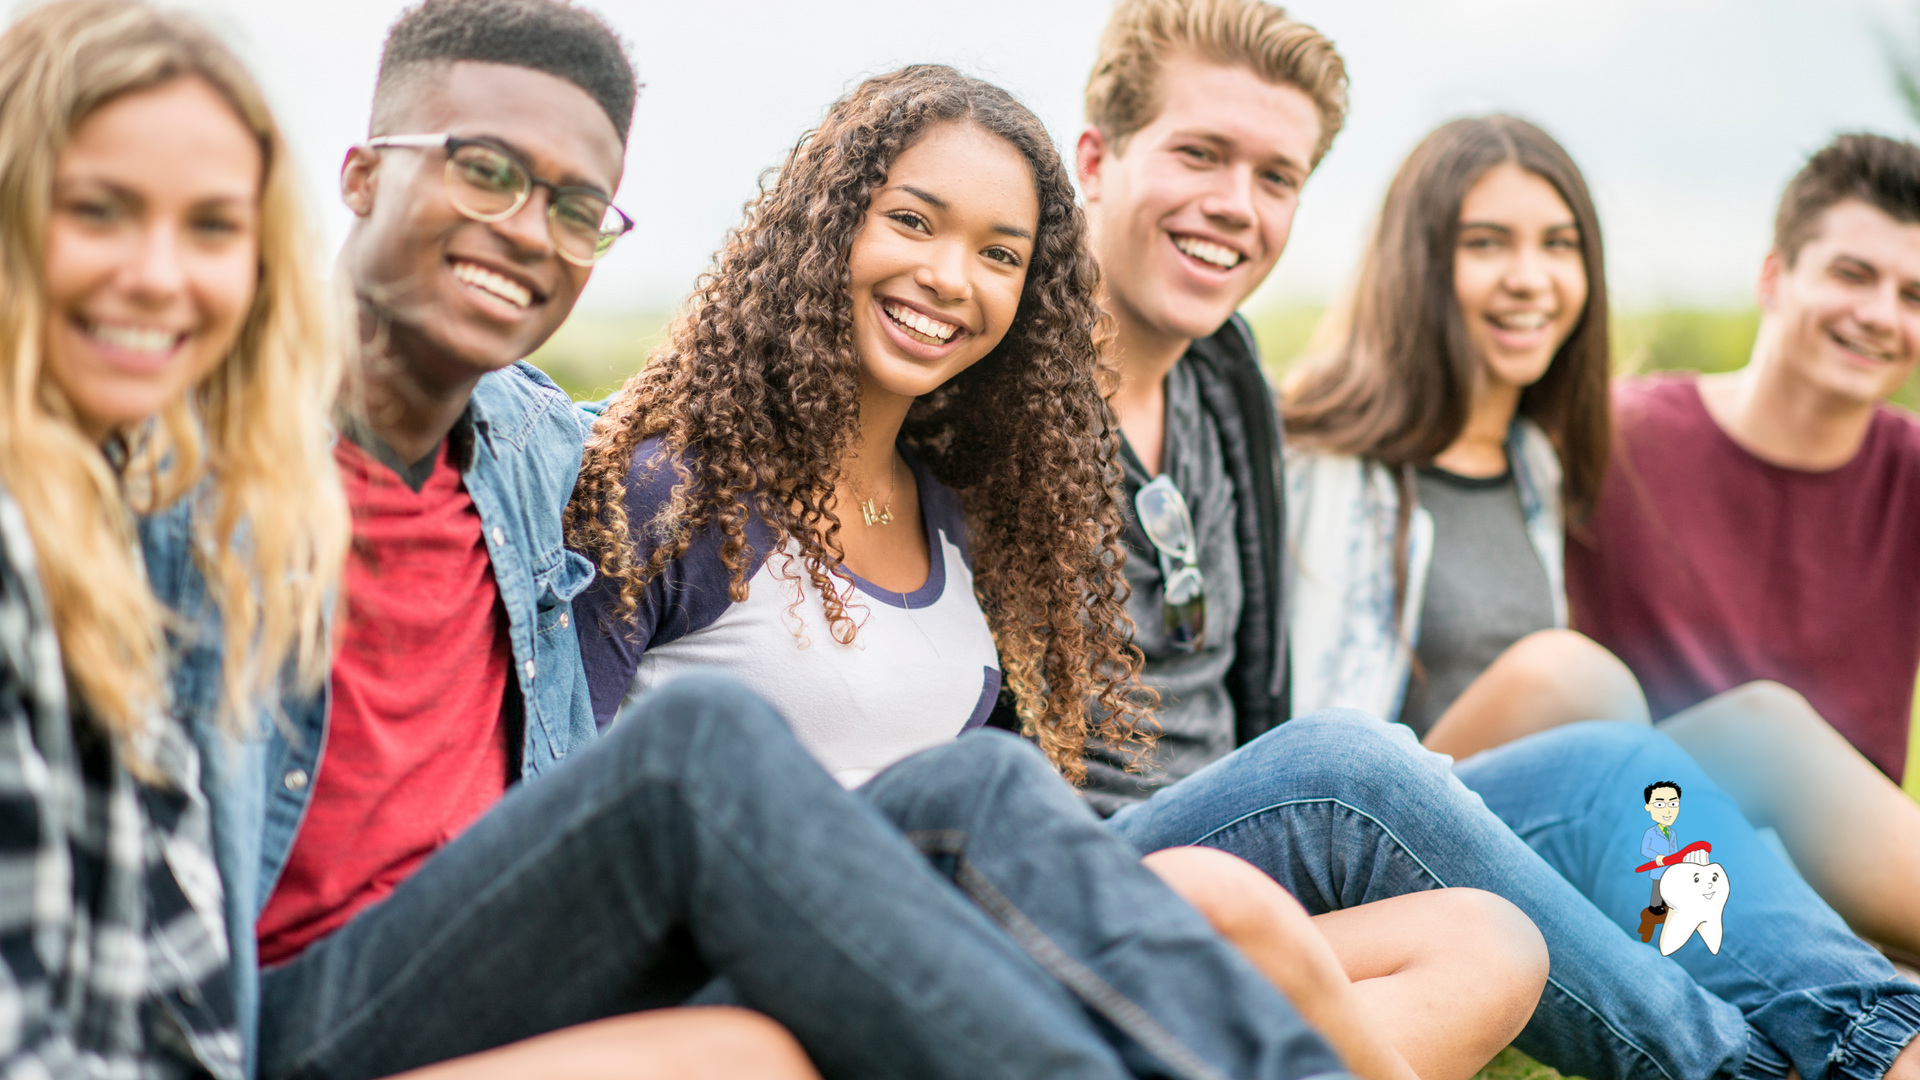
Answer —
(498, 286)
(1520, 321)
(151, 341)
(1208, 252)
(1861, 349)
(919, 327)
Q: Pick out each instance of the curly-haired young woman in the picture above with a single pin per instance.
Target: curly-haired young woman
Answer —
(890, 340)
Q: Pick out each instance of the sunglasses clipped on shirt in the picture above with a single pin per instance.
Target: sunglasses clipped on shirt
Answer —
(1163, 516)
(490, 183)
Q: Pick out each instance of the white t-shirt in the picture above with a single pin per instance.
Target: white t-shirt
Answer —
(922, 667)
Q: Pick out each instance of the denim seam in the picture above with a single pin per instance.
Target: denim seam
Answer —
(1086, 984)
(1881, 1023)
(1408, 851)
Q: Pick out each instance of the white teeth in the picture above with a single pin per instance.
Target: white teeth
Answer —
(1207, 251)
(1526, 320)
(920, 324)
(133, 338)
(1696, 898)
(487, 281)
(1864, 350)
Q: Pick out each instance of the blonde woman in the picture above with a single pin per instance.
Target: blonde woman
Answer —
(163, 338)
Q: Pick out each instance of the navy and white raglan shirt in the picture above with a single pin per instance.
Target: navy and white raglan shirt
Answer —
(922, 667)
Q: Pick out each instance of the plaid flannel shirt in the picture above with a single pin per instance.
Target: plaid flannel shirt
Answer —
(113, 949)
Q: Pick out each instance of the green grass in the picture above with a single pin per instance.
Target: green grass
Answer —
(1511, 1064)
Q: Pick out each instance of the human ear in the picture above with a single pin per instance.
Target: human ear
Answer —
(1089, 154)
(356, 180)
(1769, 284)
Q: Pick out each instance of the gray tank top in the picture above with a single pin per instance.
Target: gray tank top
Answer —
(1486, 588)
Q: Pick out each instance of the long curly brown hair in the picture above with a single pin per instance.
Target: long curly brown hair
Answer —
(756, 398)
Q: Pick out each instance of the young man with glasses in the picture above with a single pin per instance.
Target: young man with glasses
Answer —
(1205, 120)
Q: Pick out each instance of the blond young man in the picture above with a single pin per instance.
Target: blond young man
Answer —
(1206, 117)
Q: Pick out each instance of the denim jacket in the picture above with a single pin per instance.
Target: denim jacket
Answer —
(527, 444)
(1342, 512)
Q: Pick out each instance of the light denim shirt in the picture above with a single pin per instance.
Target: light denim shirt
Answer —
(527, 444)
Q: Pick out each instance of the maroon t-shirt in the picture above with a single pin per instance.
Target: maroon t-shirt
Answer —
(1704, 567)
(416, 738)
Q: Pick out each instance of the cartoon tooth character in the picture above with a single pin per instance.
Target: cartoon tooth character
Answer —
(1695, 892)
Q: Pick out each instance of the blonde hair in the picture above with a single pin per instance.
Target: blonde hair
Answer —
(1123, 93)
(249, 444)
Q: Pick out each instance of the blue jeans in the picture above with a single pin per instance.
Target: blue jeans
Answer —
(1576, 795)
(1343, 809)
(698, 839)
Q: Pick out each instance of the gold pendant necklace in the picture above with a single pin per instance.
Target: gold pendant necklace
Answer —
(884, 515)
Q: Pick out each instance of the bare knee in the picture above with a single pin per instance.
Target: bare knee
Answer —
(1592, 683)
(1237, 898)
(1775, 704)
(1504, 944)
(1757, 724)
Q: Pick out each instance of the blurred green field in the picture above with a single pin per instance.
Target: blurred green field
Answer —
(593, 354)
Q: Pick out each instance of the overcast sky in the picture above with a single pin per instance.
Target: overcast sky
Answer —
(1687, 115)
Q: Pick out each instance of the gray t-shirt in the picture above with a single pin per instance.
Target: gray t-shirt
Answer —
(1195, 714)
(1486, 588)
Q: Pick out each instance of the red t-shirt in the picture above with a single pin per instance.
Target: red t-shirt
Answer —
(1704, 567)
(417, 740)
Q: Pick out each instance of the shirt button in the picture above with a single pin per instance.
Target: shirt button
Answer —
(499, 535)
(529, 669)
(564, 618)
(296, 779)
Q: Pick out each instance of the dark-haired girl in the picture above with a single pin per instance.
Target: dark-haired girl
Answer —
(1440, 449)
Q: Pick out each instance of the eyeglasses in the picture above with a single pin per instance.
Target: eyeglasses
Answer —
(1163, 515)
(488, 183)
(1663, 804)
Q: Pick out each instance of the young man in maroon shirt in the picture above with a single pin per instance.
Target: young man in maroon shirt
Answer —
(1762, 523)
(1755, 542)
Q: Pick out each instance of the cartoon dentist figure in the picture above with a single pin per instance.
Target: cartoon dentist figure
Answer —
(1689, 892)
(1659, 844)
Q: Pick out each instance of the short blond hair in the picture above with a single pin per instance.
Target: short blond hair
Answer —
(1123, 93)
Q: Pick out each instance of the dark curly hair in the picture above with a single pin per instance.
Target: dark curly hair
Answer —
(756, 397)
